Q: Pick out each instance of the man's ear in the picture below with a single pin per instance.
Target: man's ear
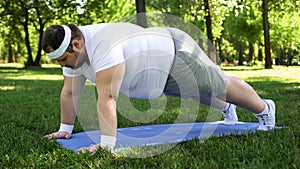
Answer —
(76, 44)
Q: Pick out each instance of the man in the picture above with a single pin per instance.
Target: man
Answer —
(142, 63)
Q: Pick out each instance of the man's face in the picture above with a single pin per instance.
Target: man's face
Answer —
(73, 60)
(68, 60)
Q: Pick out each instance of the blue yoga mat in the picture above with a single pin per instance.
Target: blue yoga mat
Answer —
(159, 134)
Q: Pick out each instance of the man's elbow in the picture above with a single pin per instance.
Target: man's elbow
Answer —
(104, 99)
(66, 93)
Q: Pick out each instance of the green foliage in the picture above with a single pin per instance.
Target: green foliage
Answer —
(118, 9)
(190, 10)
(237, 22)
(289, 24)
(284, 21)
(10, 34)
(94, 12)
(243, 25)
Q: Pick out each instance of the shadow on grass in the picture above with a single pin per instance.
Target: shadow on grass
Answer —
(28, 96)
(267, 87)
(275, 87)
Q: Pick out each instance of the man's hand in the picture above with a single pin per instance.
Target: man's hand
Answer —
(92, 149)
(59, 134)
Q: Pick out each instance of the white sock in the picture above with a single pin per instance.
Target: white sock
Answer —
(265, 111)
(226, 107)
(108, 141)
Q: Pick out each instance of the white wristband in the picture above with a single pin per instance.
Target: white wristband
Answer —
(66, 127)
(108, 141)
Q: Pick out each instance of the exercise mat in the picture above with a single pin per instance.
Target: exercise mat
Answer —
(160, 134)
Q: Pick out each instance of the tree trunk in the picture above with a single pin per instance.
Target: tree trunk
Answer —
(268, 58)
(282, 56)
(220, 52)
(290, 58)
(141, 13)
(11, 54)
(251, 52)
(241, 58)
(27, 43)
(39, 52)
(210, 45)
(260, 52)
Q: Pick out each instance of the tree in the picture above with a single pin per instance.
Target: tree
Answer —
(120, 10)
(95, 11)
(140, 10)
(208, 20)
(285, 30)
(36, 13)
(209, 33)
(41, 11)
(268, 57)
(91, 12)
(228, 24)
(26, 14)
(10, 33)
(193, 12)
(19, 10)
(243, 28)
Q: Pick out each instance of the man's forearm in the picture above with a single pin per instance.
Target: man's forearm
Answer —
(69, 98)
(108, 83)
(68, 112)
(107, 117)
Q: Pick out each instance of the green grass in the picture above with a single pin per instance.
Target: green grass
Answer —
(29, 109)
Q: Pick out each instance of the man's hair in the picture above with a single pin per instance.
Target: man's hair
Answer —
(54, 35)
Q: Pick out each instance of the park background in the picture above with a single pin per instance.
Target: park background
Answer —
(242, 31)
(257, 41)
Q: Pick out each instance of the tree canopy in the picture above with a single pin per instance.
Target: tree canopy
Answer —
(236, 28)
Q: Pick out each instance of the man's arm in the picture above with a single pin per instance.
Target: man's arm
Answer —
(108, 83)
(69, 99)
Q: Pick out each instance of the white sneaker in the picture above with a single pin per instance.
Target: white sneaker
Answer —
(230, 117)
(267, 121)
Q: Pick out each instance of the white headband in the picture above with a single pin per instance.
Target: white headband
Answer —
(64, 45)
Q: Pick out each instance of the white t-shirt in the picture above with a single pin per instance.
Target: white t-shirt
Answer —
(148, 55)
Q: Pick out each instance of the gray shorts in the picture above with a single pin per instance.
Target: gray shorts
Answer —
(193, 74)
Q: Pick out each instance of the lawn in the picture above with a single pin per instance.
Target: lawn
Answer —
(29, 109)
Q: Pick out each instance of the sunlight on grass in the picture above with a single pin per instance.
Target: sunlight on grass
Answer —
(15, 65)
(291, 73)
(16, 71)
(7, 87)
(9, 71)
(20, 65)
(35, 77)
(51, 66)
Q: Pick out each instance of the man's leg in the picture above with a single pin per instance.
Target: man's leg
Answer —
(242, 94)
(228, 110)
